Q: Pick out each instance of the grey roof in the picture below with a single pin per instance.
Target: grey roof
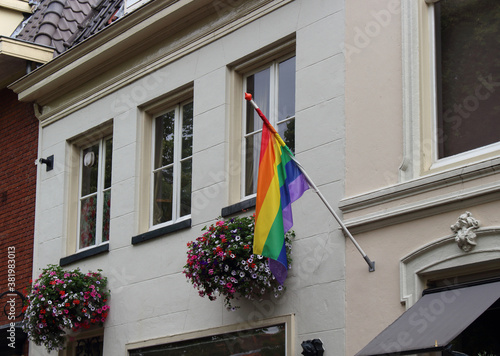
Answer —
(64, 23)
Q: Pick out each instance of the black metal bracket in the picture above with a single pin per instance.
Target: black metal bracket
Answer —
(312, 348)
(49, 161)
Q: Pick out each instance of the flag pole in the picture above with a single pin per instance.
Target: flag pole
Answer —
(371, 264)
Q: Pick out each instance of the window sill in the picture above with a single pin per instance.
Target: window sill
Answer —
(84, 254)
(153, 234)
(238, 207)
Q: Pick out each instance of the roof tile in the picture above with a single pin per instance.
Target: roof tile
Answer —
(65, 23)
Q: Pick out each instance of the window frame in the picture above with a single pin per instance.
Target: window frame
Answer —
(147, 113)
(272, 115)
(288, 320)
(420, 98)
(75, 338)
(236, 72)
(73, 173)
(176, 165)
(99, 194)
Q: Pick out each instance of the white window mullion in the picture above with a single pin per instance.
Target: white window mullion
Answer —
(99, 195)
(177, 164)
(434, 83)
(273, 93)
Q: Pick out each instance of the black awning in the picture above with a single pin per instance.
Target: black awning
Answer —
(434, 321)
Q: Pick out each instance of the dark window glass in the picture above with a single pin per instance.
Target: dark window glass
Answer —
(268, 341)
(468, 74)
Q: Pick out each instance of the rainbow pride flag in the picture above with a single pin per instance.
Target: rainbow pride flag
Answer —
(280, 183)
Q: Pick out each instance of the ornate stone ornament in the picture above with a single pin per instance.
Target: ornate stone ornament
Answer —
(464, 230)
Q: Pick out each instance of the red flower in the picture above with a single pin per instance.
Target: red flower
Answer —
(76, 301)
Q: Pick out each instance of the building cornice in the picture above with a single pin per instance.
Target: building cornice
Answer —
(25, 50)
(407, 200)
(132, 34)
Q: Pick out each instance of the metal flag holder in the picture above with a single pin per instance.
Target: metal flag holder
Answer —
(371, 264)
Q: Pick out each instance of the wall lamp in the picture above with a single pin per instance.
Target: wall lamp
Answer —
(312, 348)
(49, 161)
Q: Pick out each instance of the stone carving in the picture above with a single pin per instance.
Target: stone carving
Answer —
(464, 230)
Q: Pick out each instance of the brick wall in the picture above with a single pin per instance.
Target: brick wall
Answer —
(18, 152)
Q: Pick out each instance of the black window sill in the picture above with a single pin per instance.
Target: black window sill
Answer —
(238, 207)
(185, 224)
(83, 254)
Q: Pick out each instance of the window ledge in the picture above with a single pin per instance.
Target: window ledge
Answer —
(415, 204)
(153, 234)
(421, 185)
(238, 207)
(84, 254)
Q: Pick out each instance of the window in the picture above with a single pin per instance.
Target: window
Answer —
(95, 193)
(172, 164)
(273, 89)
(467, 34)
(88, 344)
(265, 340)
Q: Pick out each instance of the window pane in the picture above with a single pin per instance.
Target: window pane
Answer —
(468, 64)
(186, 169)
(261, 341)
(258, 85)
(90, 170)
(88, 208)
(252, 163)
(107, 167)
(91, 346)
(105, 215)
(164, 140)
(287, 132)
(286, 89)
(163, 194)
(187, 130)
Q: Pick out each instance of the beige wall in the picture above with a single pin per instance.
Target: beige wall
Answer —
(373, 94)
(11, 15)
(374, 300)
(393, 217)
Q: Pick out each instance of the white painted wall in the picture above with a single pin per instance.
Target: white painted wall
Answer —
(150, 297)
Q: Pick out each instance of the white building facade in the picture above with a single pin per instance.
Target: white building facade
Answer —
(148, 119)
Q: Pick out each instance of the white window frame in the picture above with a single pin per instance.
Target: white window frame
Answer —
(287, 319)
(273, 114)
(99, 194)
(176, 187)
(420, 98)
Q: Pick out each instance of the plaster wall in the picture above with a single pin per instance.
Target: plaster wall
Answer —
(415, 212)
(374, 300)
(373, 94)
(10, 20)
(150, 297)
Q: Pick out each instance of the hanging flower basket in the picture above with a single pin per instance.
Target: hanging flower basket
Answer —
(221, 262)
(60, 300)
